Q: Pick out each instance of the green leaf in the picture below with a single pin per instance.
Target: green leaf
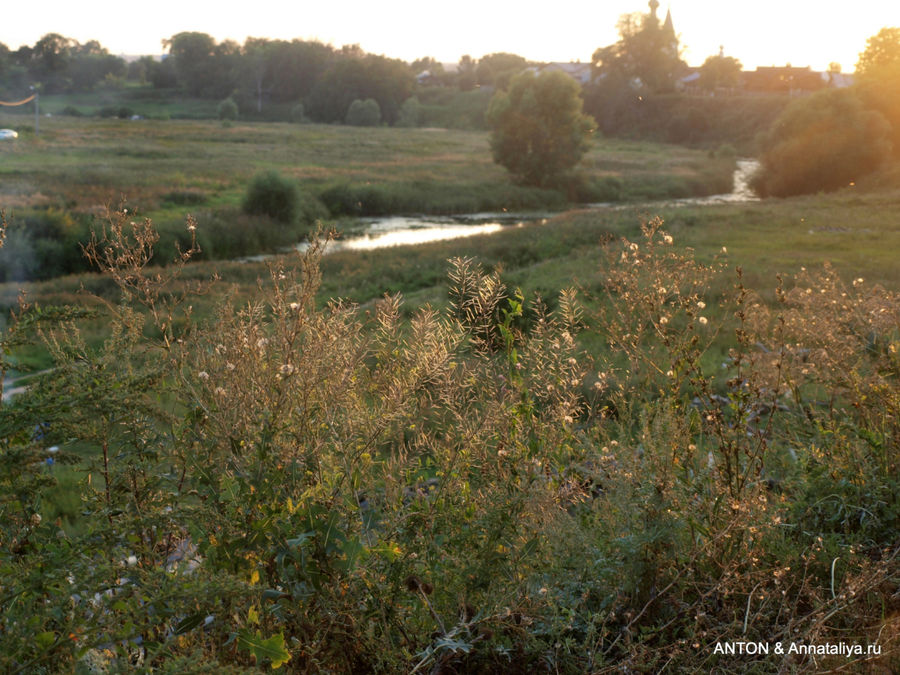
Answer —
(271, 648)
(528, 548)
(45, 640)
(189, 623)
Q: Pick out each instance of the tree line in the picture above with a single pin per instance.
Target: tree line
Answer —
(326, 79)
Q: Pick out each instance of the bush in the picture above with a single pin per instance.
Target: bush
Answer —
(122, 112)
(298, 114)
(410, 113)
(227, 110)
(364, 113)
(273, 195)
(823, 142)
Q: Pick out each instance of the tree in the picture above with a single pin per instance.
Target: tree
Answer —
(720, 72)
(50, 60)
(497, 69)
(646, 55)
(192, 55)
(882, 53)
(538, 129)
(878, 70)
(823, 142)
(465, 75)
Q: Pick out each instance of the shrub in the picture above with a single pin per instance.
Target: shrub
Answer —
(365, 113)
(227, 110)
(823, 142)
(410, 113)
(298, 114)
(271, 194)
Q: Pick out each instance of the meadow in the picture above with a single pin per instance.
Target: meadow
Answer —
(603, 441)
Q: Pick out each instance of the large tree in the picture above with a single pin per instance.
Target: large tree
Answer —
(192, 54)
(878, 70)
(538, 129)
(646, 55)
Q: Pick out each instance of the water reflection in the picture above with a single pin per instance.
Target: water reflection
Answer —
(375, 233)
(400, 231)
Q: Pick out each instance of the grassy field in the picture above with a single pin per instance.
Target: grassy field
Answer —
(87, 163)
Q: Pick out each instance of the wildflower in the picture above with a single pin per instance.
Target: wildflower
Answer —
(220, 391)
(667, 238)
(191, 227)
(568, 419)
(703, 320)
(724, 250)
(858, 281)
(295, 306)
(203, 375)
(701, 304)
(286, 369)
(663, 320)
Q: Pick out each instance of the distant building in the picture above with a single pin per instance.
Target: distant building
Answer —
(838, 80)
(580, 72)
(783, 80)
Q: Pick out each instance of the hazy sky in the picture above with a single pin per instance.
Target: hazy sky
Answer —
(758, 32)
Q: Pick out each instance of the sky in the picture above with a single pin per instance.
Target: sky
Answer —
(757, 32)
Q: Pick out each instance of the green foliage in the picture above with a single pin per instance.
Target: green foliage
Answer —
(359, 77)
(720, 72)
(363, 113)
(463, 488)
(705, 121)
(298, 114)
(823, 142)
(878, 72)
(410, 113)
(645, 58)
(496, 70)
(273, 195)
(227, 109)
(538, 130)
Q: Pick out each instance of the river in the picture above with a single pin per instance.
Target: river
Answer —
(375, 233)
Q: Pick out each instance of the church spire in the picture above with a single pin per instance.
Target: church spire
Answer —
(654, 5)
(668, 26)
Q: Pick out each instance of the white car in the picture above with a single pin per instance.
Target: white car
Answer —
(8, 133)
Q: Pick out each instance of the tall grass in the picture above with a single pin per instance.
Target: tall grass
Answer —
(333, 488)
